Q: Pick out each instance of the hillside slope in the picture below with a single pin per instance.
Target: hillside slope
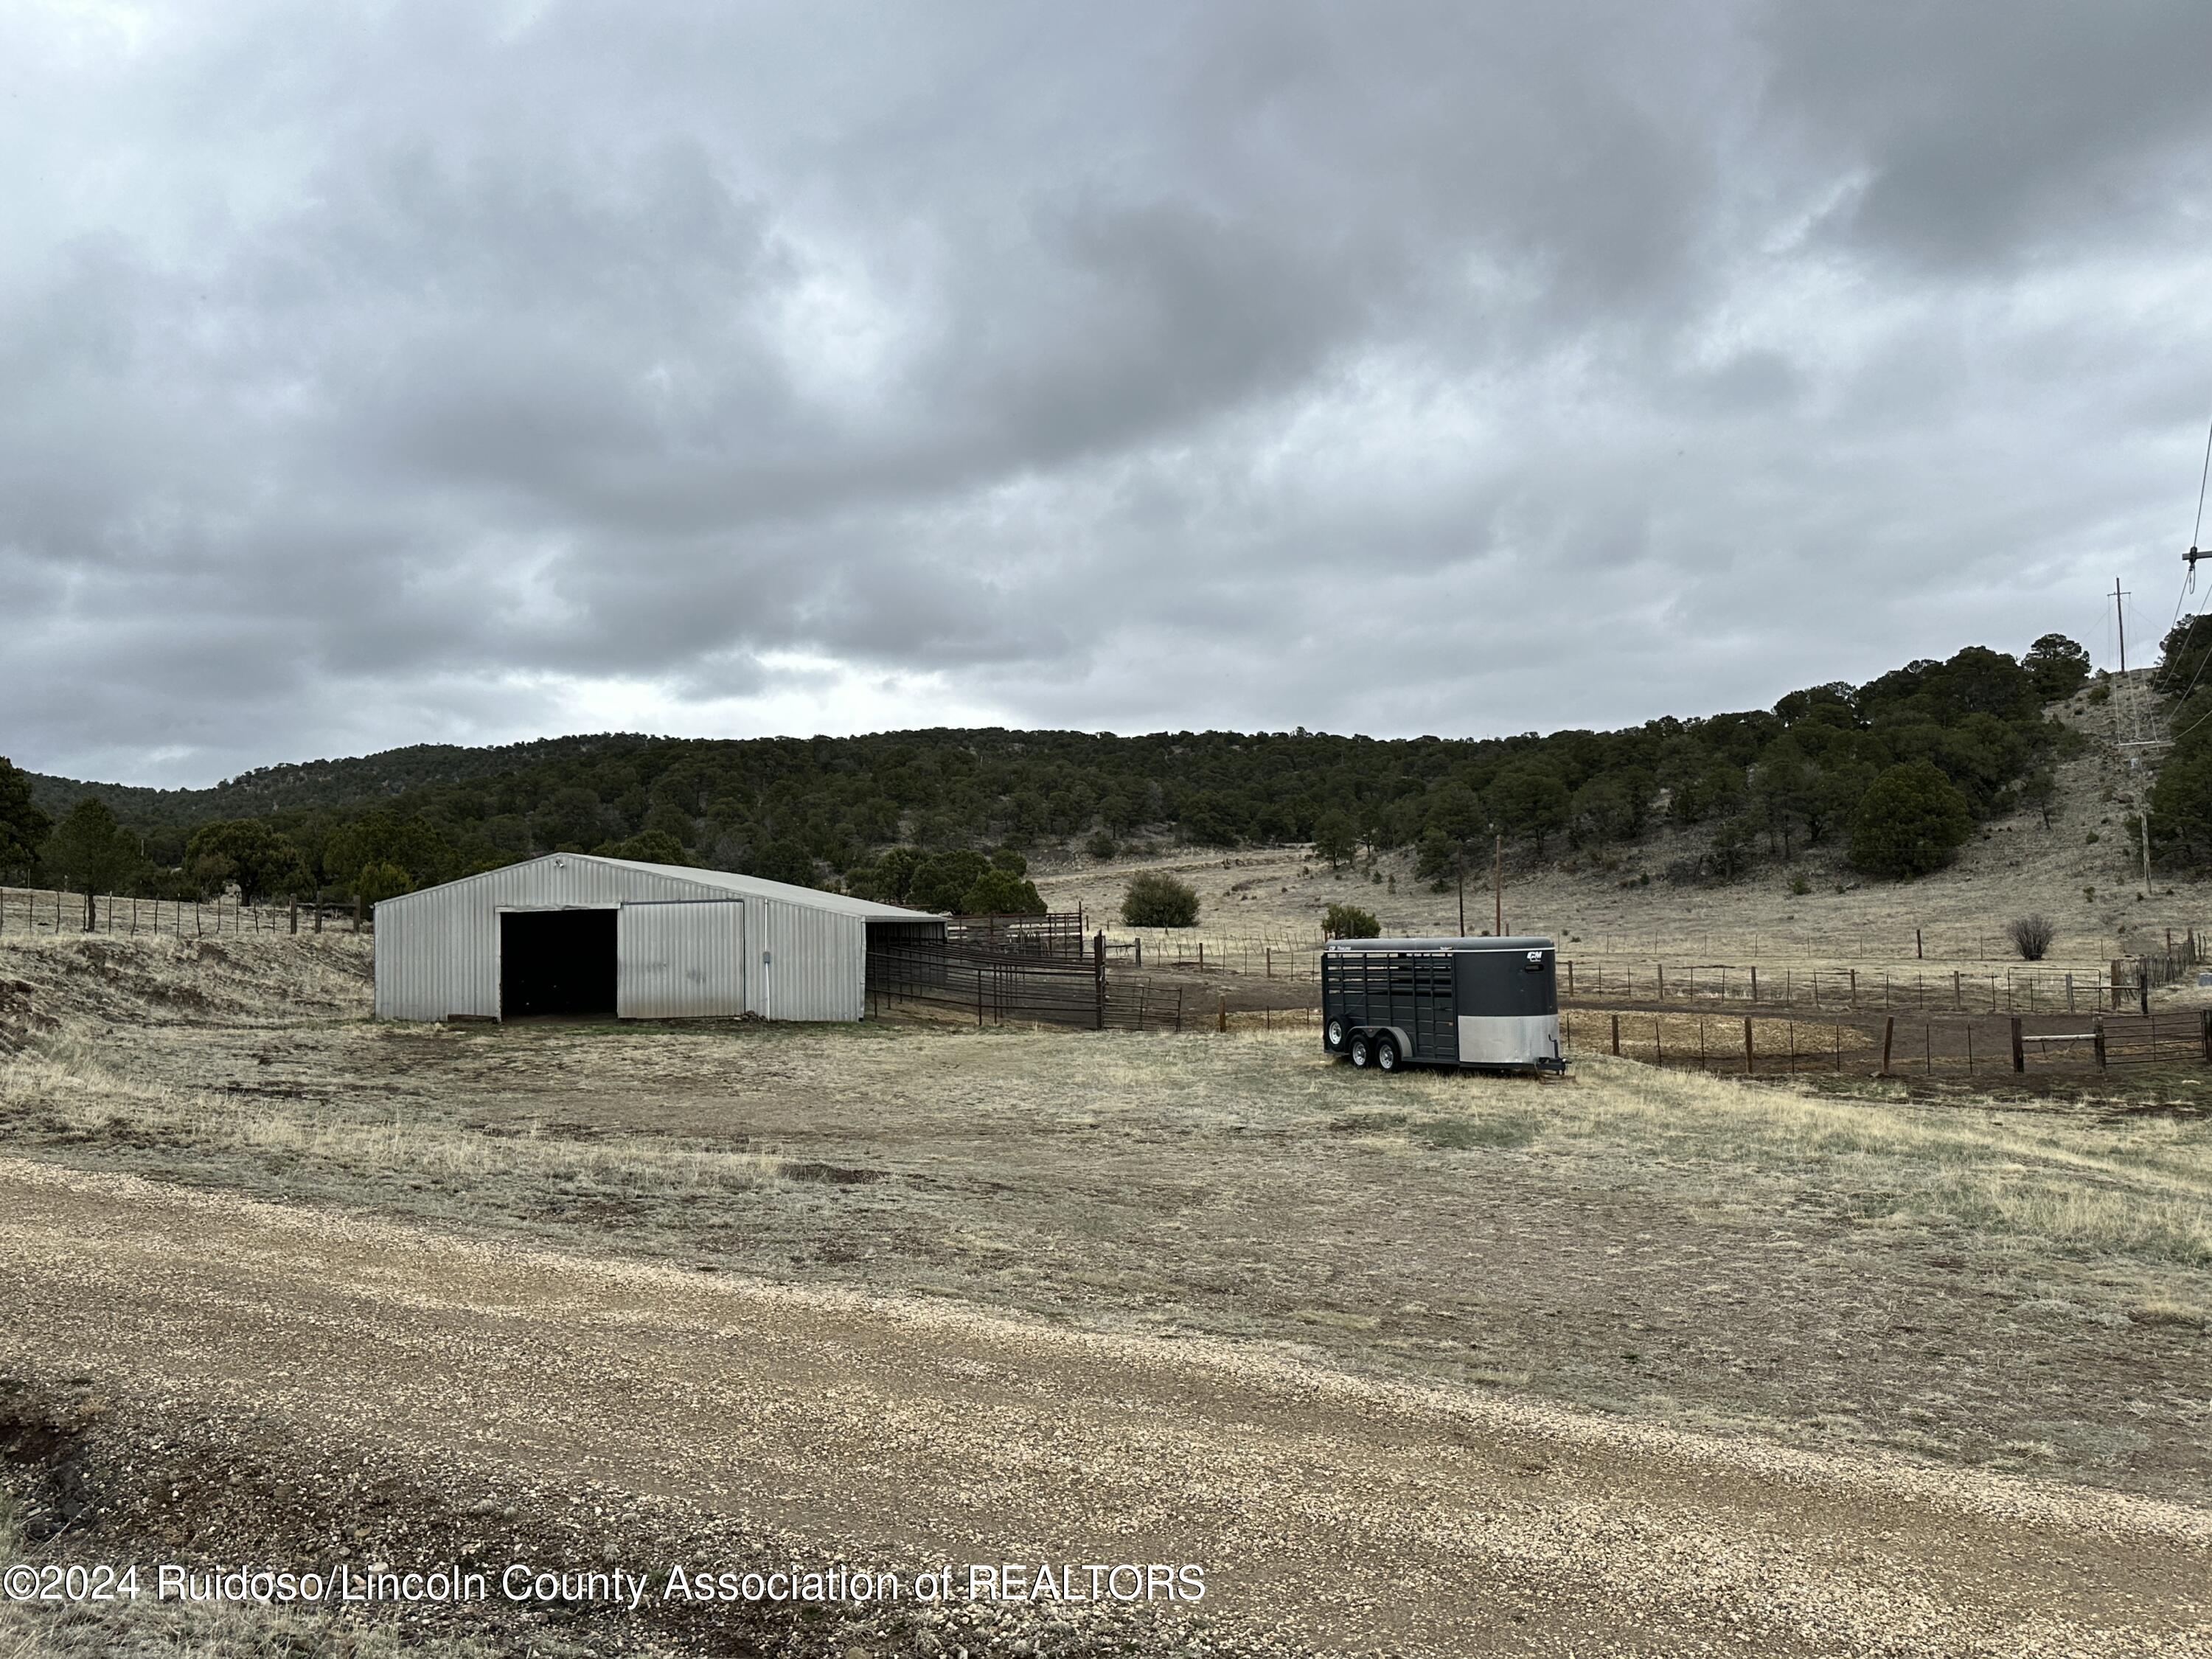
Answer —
(2084, 871)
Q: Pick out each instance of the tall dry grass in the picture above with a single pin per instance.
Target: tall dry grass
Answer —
(2142, 1188)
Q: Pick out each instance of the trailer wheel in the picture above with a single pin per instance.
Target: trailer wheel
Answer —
(1386, 1054)
(1333, 1039)
(1362, 1051)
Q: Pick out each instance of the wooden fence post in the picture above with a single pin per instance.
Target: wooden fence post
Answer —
(356, 912)
(1662, 967)
(2097, 1037)
(1750, 1055)
(2204, 1021)
(1755, 984)
(1098, 975)
(2207, 1035)
(1917, 953)
(296, 915)
(2020, 1046)
(1888, 1037)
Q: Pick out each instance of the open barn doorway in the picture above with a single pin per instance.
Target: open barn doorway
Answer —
(556, 961)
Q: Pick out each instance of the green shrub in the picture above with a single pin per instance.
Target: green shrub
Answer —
(1349, 921)
(1102, 845)
(1911, 821)
(1002, 893)
(1156, 899)
(378, 881)
(649, 847)
(942, 881)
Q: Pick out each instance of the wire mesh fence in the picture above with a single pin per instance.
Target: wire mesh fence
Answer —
(999, 987)
(2009, 1046)
(1056, 933)
(45, 910)
(2008, 991)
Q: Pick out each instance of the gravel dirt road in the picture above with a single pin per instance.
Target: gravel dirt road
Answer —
(1336, 1513)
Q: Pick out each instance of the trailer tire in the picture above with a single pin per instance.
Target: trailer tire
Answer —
(1361, 1049)
(1386, 1054)
(1332, 1038)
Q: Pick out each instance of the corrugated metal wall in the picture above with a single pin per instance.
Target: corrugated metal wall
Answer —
(679, 959)
(437, 951)
(806, 963)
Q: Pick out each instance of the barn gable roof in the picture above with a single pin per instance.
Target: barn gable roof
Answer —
(709, 881)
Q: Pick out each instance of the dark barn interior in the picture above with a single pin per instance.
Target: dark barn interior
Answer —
(556, 961)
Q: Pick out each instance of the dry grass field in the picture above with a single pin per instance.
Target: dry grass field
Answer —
(1992, 1286)
(2002, 1288)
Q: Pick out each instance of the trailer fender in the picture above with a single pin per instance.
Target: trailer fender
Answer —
(1395, 1033)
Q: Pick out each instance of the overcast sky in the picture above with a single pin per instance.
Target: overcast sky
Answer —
(414, 372)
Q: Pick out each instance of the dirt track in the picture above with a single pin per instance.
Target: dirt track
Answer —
(1364, 1514)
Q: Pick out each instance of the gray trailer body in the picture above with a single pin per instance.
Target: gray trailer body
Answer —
(1492, 1004)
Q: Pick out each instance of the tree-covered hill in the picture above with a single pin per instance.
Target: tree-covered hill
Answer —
(1933, 745)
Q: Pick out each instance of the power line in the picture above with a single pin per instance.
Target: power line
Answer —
(2188, 581)
(2203, 475)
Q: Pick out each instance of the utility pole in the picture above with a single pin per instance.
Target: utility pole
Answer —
(2120, 691)
(1498, 882)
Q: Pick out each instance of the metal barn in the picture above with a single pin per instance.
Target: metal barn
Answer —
(573, 934)
(1491, 1003)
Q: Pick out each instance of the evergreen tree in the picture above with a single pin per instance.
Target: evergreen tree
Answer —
(249, 852)
(23, 827)
(89, 853)
(2057, 667)
(1911, 822)
(1156, 899)
(1000, 892)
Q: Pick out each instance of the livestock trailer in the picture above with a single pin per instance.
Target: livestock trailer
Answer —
(1487, 1003)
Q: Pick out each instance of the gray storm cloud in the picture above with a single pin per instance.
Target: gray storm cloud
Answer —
(410, 372)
